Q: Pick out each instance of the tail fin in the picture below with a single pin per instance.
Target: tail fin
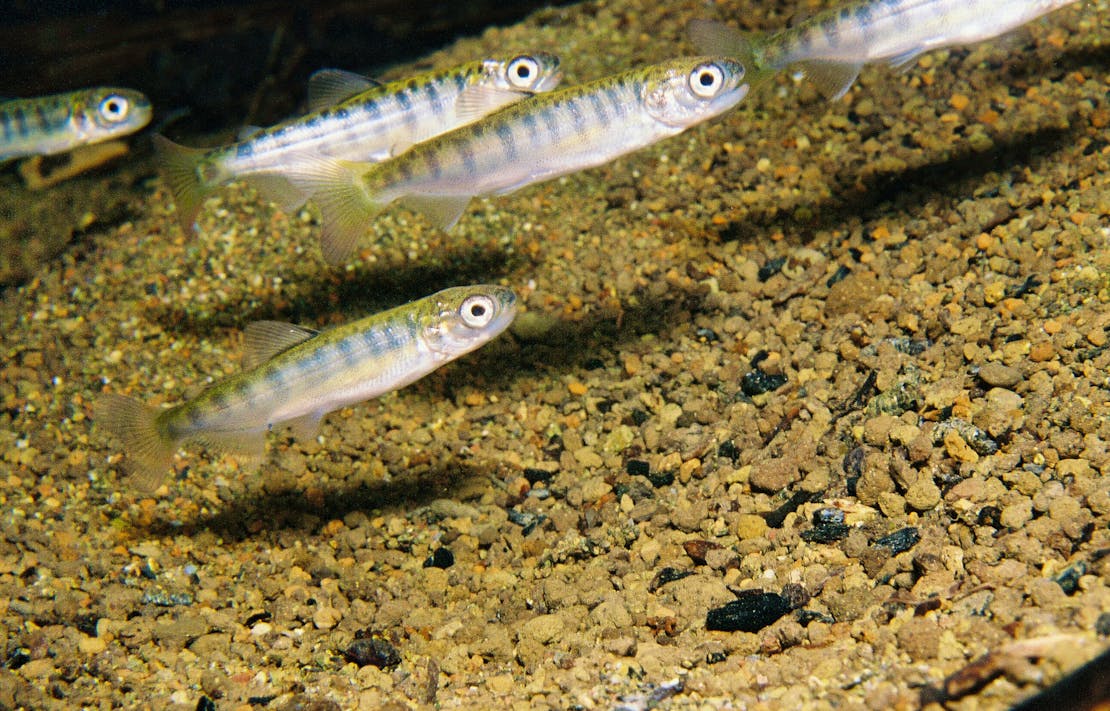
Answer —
(345, 207)
(180, 167)
(136, 425)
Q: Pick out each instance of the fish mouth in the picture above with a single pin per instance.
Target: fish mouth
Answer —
(728, 99)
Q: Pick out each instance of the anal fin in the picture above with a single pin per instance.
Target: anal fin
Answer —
(441, 210)
(306, 427)
(833, 79)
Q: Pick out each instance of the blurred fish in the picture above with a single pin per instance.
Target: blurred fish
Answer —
(354, 118)
(544, 137)
(832, 46)
(61, 122)
(295, 376)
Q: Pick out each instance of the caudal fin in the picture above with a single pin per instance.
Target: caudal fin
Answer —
(149, 449)
(345, 208)
(181, 169)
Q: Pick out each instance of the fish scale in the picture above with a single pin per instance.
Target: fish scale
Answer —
(295, 376)
(61, 122)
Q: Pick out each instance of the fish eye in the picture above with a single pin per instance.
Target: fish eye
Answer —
(706, 80)
(523, 71)
(114, 108)
(477, 311)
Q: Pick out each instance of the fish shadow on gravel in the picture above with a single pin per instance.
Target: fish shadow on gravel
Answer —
(860, 196)
(323, 297)
(255, 512)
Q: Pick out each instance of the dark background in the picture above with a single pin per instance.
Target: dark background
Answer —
(215, 64)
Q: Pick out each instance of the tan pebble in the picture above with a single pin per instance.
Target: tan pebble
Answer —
(1097, 337)
(923, 495)
(957, 448)
(326, 618)
(92, 645)
(1041, 352)
(577, 388)
(475, 399)
(1052, 326)
(37, 668)
(587, 457)
(1000, 375)
(959, 101)
(632, 364)
(1017, 514)
(749, 526)
(501, 684)
(688, 468)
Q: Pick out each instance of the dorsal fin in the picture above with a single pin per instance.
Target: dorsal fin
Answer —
(328, 87)
(262, 340)
(247, 132)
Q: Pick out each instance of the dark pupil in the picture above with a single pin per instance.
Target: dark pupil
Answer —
(477, 310)
(522, 71)
(706, 79)
(113, 107)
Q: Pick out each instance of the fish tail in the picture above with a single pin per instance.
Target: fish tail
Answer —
(181, 168)
(346, 207)
(147, 444)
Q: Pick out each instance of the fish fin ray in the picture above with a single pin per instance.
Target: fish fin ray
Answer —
(247, 443)
(181, 169)
(306, 427)
(262, 340)
(328, 87)
(345, 208)
(441, 210)
(833, 79)
(247, 132)
(904, 62)
(714, 38)
(148, 448)
(277, 189)
(479, 100)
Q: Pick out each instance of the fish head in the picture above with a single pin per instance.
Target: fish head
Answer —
(108, 112)
(685, 92)
(460, 319)
(525, 73)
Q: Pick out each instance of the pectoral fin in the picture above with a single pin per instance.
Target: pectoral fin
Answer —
(479, 100)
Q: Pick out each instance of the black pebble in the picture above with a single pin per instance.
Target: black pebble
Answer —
(750, 613)
(1069, 579)
(372, 651)
(757, 382)
(206, 704)
(533, 475)
(826, 533)
(901, 540)
(440, 558)
(771, 268)
(667, 575)
(637, 467)
(728, 450)
(1102, 625)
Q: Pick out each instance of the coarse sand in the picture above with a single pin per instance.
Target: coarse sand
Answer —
(838, 365)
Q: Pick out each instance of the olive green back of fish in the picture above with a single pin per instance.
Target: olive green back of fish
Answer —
(60, 122)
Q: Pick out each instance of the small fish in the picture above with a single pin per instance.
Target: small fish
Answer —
(832, 46)
(353, 118)
(549, 135)
(295, 376)
(61, 122)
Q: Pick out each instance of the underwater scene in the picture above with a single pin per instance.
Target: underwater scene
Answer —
(744, 354)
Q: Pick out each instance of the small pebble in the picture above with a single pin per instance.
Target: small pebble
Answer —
(750, 613)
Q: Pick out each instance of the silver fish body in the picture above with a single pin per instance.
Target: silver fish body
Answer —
(58, 123)
(832, 46)
(546, 136)
(295, 376)
(371, 123)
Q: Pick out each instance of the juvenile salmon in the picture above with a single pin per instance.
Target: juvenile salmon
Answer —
(352, 118)
(61, 122)
(295, 376)
(546, 136)
(832, 46)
